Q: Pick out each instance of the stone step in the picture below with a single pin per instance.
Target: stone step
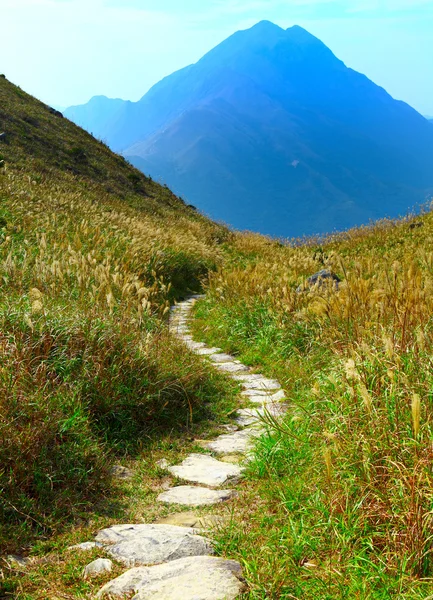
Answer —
(207, 351)
(188, 495)
(254, 416)
(201, 468)
(233, 443)
(192, 519)
(151, 544)
(231, 367)
(222, 358)
(199, 577)
(264, 397)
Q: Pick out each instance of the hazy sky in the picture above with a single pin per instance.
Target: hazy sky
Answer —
(65, 51)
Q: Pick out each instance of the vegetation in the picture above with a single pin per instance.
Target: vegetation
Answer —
(92, 253)
(341, 498)
(338, 500)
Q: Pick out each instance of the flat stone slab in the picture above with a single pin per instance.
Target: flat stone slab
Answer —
(254, 416)
(264, 397)
(207, 351)
(192, 519)
(194, 345)
(198, 578)
(231, 367)
(200, 468)
(85, 546)
(262, 384)
(232, 443)
(152, 544)
(195, 496)
(221, 358)
(248, 377)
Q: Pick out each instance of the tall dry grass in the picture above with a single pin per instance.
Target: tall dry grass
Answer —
(358, 369)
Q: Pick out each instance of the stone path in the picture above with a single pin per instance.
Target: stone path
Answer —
(172, 560)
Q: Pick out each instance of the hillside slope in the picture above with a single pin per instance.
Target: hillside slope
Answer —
(340, 490)
(270, 131)
(92, 253)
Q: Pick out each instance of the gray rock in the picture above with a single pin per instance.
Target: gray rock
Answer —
(262, 384)
(188, 495)
(232, 443)
(192, 519)
(322, 278)
(163, 463)
(97, 567)
(194, 345)
(264, 397)
(201, 468)
(231, 367)
(207, 351)
(248, 377)
(85, 546)
(198, 578)
(221, 358)
(121, 472)
(18, 561)
(255, 416)
(152, 544)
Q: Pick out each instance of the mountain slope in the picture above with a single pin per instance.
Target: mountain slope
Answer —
(92, 253)
(270, 131)
(94, 115)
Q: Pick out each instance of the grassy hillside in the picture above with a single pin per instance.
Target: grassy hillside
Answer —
(91, 255)
(342, 492)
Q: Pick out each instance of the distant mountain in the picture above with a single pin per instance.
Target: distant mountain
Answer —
(97, 116)
(270, 131)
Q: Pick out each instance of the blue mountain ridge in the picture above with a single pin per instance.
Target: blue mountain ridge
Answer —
(271, 132)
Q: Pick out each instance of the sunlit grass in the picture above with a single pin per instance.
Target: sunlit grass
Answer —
(344, 483)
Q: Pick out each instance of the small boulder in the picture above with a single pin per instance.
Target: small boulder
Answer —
(120, 472)
(201, 577)
(85, 546)
(151, 544)
(322, 278)
(97, 567)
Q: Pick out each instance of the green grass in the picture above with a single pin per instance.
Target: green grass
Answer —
(338, 500)
(92, 253)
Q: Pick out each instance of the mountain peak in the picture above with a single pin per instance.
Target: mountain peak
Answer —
(266, 26)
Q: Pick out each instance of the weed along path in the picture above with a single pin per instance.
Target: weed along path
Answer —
(174, 558)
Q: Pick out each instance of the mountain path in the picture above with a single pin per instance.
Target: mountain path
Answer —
(173, 560)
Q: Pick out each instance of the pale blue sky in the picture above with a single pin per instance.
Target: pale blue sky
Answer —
(65, 51)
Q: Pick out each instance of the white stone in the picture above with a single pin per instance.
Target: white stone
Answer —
(248, 377)
(255, 416)
(201, 468)
(262, 384)
(198, 578)
(195, 496)
(232, 443)
(162, 464)
(278, 397)
(97, 567)
(195, 345)
(231, 367)
(85, 546)
(264, 397)
(207, 351)
(221, 358)
(152, 544)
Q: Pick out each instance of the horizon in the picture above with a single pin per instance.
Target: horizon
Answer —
(120, 49)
